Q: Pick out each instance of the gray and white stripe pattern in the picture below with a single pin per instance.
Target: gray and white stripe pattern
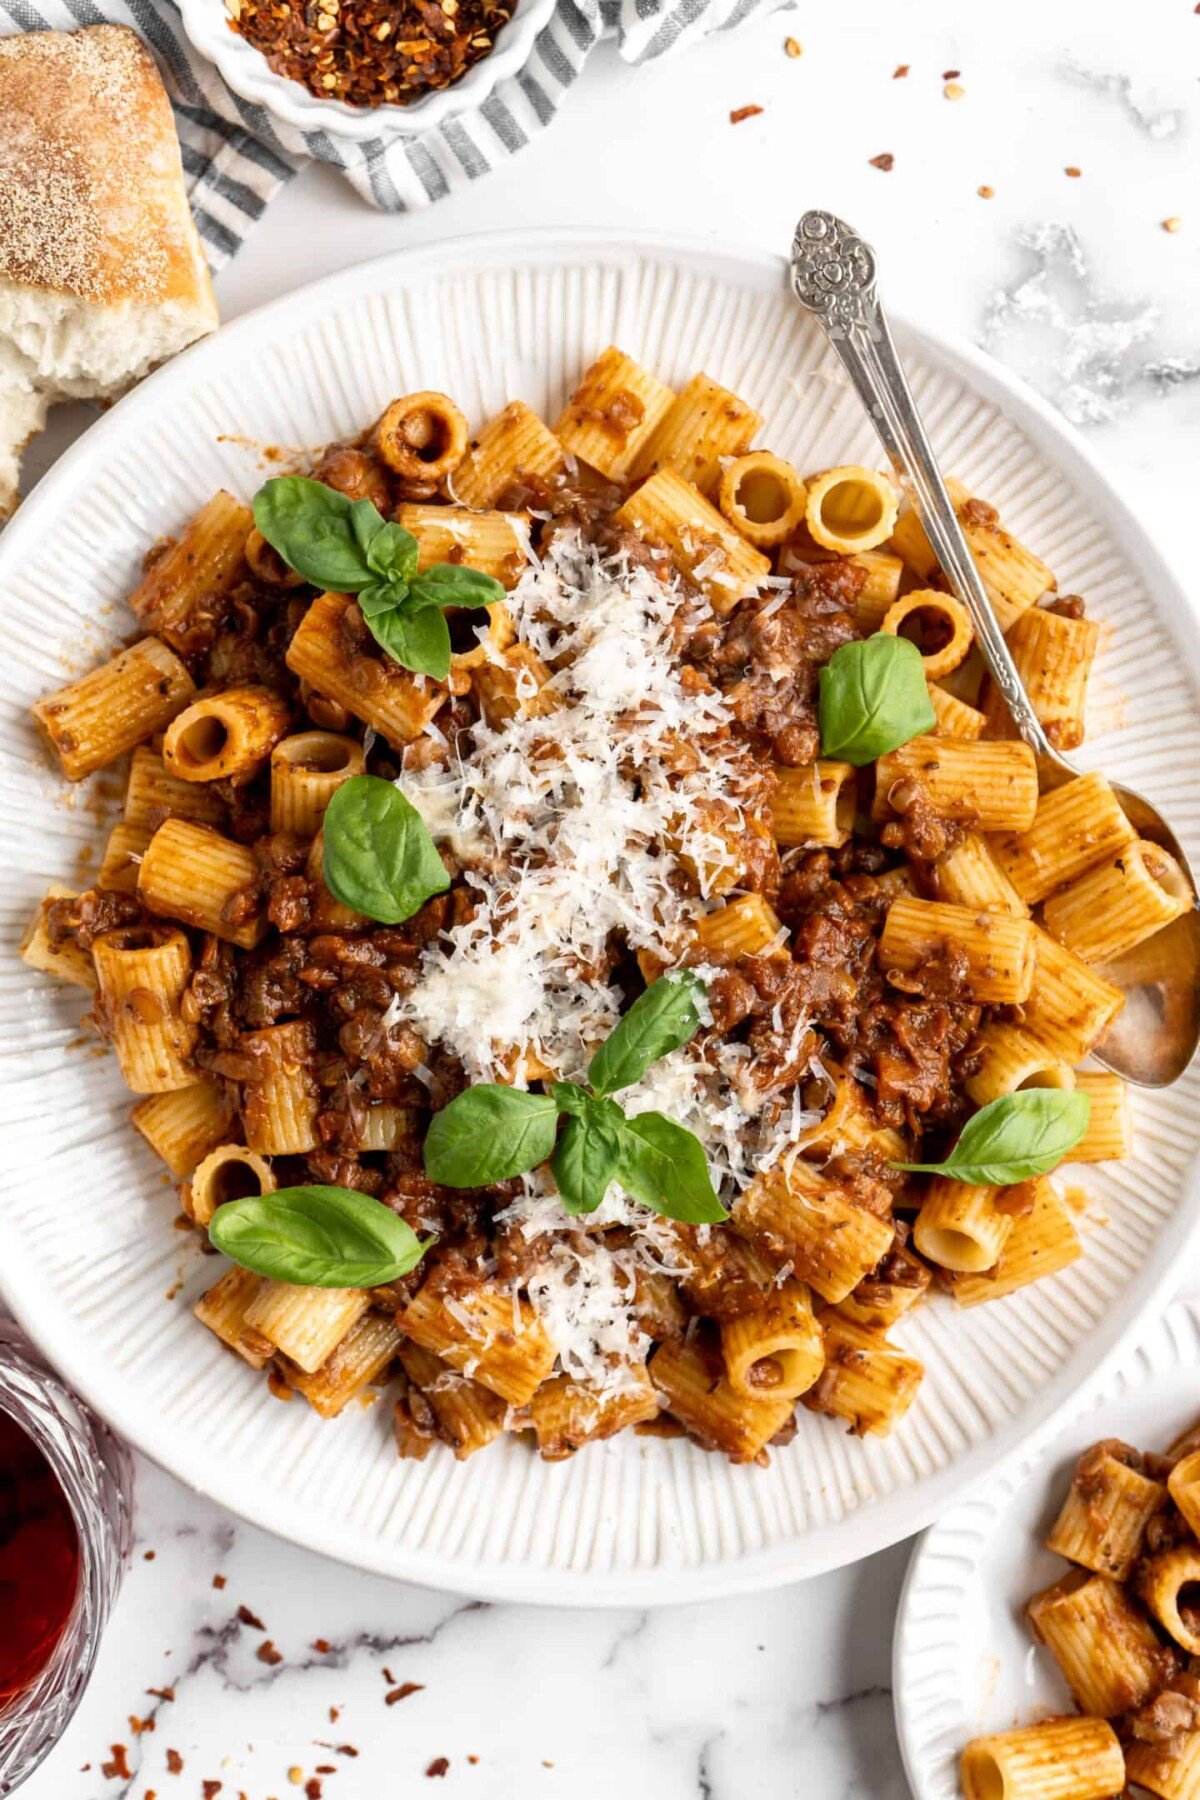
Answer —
(235, 156)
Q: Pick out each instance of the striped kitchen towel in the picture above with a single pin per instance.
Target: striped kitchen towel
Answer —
(236, 155)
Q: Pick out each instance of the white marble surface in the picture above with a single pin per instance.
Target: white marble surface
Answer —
(1073, 281)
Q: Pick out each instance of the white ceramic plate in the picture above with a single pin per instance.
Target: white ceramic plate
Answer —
(87, 1251)
(964, 1662)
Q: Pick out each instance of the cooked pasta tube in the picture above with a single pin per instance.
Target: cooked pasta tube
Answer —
(955, 718)
(1169, 1771)
(485, 1333)
(993, 787)
(1108, 1651)
(352, 1366)
(184, 1125)
(1042, 1242)
(1070, 1006)
(229, 1172)
(866, 1380)
(142, 973)
(961, 1227)
(1169, 1583)
(999, 949)
(306, 772)
(92, 721)
(613, 413)
(478, 639)
(691, 1381)
(763, 498)
(1104, 1517)
(515, 687)
(305, 1323)
(969, 874)
(392, 700)
(66, 961)
(704, 424)
(742, 927)
(468, 1415)
(1012, 576)
(667, 510)
(226, 736)
(881, 1298)
(328, 914)
(882, 573)
(192, 873)
(1075, 827)
(386, 1127)
(567, 1414)
(1010, 1060)
(153, 794)
(122, 857)
(850, 509)
(803, 1218)
(718, 1273)
(422, 438)
(938, 624)
(281, 1100)
(175, 597)
(514, 443)
(223, 1310)
(1183, 1483)
(1119, 904)
(1054, 656)
(1057, 1759)
(814, 804)
(776, 1349)
(1109, 1135)
(495, 543)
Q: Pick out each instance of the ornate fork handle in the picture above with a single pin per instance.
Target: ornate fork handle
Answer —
(833, 277)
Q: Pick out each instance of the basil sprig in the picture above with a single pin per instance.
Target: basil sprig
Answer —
(491, 1133)
(379, 856)
(347, 546)
(874, 698)
(318, 1237)
(1014, 1138)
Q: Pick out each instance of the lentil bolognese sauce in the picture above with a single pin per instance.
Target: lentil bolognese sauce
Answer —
(575, 959)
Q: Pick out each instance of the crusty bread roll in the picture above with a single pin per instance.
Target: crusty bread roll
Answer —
(101, 270)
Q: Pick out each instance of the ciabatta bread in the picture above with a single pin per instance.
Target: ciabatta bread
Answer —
(101, 270)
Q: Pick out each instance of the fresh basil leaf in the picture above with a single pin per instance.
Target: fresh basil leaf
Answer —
(366, 521)
(317, 531)
(571, 1099)
(393, 553)
(874, 697)
(665, 1167)
(1014, 1138)
(488, 1134)
(586, 1160)
(415, 636)
(381, 597)
(659, 1021)
(379, 856)
(317, 1237)
(451, 584)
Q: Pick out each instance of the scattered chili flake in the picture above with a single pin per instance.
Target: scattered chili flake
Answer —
(312, 1789)
(295, 1774)
(389, 1677)
(167, 1693)
(403, 1691)
(321, 1646)
(472, 1760)
(371, 52)
(174, 1763)
(335, 1713)
(249, 1618)
(267, 1653)
(218, 1581)
(900, 71)
(1073, 172)
(326, 1768)
(1172, 224)
(951, 74)
(118, 1768)
(137, 1726)
(345, 1749)
(886, 162)
(793, 47)
(438, 1766)
(735, 118)
(952, 91)
(148, 1555)
(211, 1789)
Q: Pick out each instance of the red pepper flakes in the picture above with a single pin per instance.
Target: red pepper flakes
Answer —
(743, 112)
(403, 1691)
(335, 1713)
(267, 1653)
(165, 1693)
(218, 1581)
(371, 52)
(985, 192)
(438, 1766)
(951, 74)
(211, 1789)
(118, 1768)
(900, 71)
(312, 1789)
(1173, 224)
(248, 1618)
(326, 1768)
(321, 1646)
(1073, 172)
(472, 1760)
(793, 47)
(174, 1763)
(148, 1555)
(345, 1749)
(137, 1726)
(886, 162)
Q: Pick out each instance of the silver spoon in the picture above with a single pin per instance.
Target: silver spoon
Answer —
(833, 275)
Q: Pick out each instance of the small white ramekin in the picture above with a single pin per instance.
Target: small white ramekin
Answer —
(246, 71)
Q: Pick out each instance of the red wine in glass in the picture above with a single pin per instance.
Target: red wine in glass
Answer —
(39, 1561)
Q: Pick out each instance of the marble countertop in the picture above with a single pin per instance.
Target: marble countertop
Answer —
(1086, 139)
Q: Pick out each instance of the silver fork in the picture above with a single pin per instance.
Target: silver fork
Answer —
(833, 276)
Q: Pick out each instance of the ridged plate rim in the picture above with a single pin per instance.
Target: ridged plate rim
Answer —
(875, 1524)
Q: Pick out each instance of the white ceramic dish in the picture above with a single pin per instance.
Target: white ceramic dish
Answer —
(248, 73)
(964, 1662)
(87, 1251)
